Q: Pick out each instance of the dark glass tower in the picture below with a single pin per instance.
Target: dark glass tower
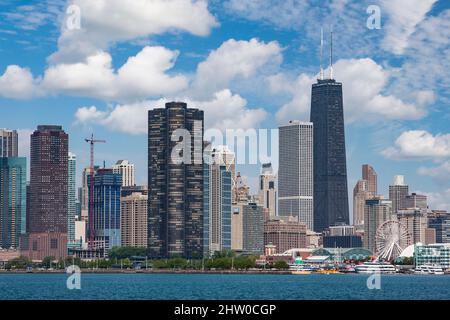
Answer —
(175, 195)
(330, 168)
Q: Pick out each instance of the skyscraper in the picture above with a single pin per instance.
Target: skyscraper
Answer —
(13, 183)
(366, 188)
(360, 195)
(369, 174)
(106, 224)
(295, 174)
(397, 193)
(253, 229)
(47, 219)
(72, 199)
(376, 212)
(8, 143)
(330, 164)
(268, 189)
(415, 200)
(440, 221)
(133, 217)
(218, 195)
(416, 222)
(175, 201)
(126, 169)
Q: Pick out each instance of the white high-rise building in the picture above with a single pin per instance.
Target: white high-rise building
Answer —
(268, 189)
(295, 174)
(72, 198)
(8, 143)
(126, 169)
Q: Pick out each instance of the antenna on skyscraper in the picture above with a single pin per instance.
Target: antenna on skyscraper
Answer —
(331, 53)
(321, 53)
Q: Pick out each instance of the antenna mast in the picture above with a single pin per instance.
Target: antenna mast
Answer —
(331, 53)
(321, 53)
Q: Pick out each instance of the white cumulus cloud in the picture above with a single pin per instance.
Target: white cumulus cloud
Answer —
(364, 82)
(419, 144)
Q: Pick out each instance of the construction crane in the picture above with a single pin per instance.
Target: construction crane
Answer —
(92, 142)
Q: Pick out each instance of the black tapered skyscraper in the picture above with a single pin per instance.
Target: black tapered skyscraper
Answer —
(330, 165)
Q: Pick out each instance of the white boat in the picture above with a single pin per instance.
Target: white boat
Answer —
(375, 267)
(429, 269)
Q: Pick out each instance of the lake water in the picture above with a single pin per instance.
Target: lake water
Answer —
(223, 287)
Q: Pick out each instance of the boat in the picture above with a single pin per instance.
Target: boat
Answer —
(375, 267)
(429, 269)
(300, 269)
(301, 272)
(327, 271)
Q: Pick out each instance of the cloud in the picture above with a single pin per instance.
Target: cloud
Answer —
(105, 22)
(18, 83)
(403, 18)
(438, 200)
(364, 83)
(142, 76)
(419, 144)
(224, 111)
(231, 60)
(440, 173)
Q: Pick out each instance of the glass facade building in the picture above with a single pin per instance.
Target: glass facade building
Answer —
(217, 204)
(107, 189)
(175, 178)
(253, 229)
(432, 254)
(13, 186)
(330, 164)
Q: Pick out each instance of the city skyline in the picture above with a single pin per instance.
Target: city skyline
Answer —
(267, 86)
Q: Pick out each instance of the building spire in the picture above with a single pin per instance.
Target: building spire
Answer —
(321, 53)
(331, 53)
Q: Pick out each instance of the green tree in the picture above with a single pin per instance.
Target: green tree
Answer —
(18, 263)
(47, 261)
(281, 265)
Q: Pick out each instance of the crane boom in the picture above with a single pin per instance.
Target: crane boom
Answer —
(92, 142)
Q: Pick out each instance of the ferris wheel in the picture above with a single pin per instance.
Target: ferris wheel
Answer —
(390, 240)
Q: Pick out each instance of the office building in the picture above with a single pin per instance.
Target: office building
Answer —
(416, 222)
(350, 241)
(134, 217)
(365, 188)
(360, 195)
(376, 212)
(126, 169)
(330, 163)
(369, 174)
(295, 174)
(440, 221)
(13, 183)
(48, 203)
(106, 215)
(436, 254)
(415, 200)
(8, 143)
(72, 200)
(397, 193)
(253, 229)
(175, 200)
(285, 233)
(217, 196)
(267, 193)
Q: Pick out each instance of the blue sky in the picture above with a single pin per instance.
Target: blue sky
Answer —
(248, 64)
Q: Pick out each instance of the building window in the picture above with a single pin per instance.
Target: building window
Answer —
(53, 243)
